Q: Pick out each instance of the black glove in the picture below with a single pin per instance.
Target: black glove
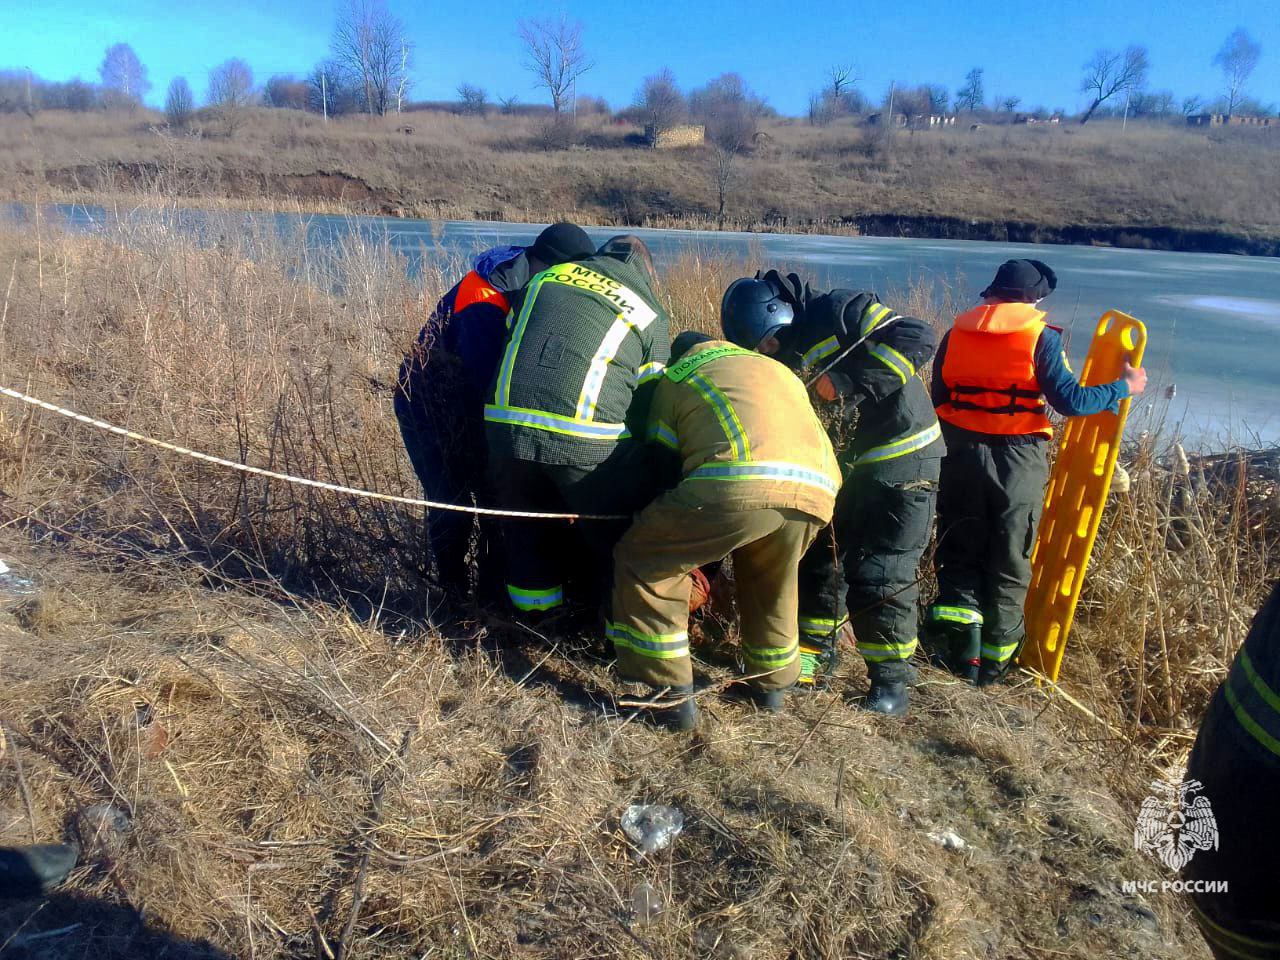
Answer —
(790, 287)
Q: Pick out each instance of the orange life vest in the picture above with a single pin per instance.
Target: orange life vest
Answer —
(990, 371)
(473, 289)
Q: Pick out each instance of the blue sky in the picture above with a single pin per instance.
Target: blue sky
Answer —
(1032, 50)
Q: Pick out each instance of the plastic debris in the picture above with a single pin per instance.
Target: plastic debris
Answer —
(646, 902)
(948, 840)
(652, 826)
(1121, 481)
(14, 587)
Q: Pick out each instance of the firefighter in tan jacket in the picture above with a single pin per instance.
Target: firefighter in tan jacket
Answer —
(759, 482)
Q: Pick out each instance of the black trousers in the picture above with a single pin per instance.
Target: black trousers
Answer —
(990, 500)
(445, 442)
(543, 555)
(867, 561)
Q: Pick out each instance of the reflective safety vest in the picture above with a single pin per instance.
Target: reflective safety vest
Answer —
(990, 371)
(473, 289)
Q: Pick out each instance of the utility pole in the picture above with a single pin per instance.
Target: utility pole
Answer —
(30, 110)
(1124, 124)
(324, 95)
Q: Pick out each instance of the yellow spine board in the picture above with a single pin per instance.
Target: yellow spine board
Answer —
(1075, 498)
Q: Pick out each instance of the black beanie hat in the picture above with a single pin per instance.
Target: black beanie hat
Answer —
(1024, 281)
(685, 342)
(562, 242)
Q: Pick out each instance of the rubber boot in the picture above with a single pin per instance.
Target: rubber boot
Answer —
(966, 653)
(681, 714)
(956, 647)
(32, 871)
(888, 697)
(889, 694)
(772, 701)
(993, 671)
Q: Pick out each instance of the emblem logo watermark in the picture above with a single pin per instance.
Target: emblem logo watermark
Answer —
(1174, 824)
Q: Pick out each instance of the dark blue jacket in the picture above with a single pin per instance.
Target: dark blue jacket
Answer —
(455, 354)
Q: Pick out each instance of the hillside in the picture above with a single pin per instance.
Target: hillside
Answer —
(294, 765)
(1151, 185)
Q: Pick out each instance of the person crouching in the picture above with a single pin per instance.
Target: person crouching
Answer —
(759, 482)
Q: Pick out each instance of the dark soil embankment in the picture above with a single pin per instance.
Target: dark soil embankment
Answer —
(636, 205)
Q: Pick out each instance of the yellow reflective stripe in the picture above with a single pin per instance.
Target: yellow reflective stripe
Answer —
(663, 434)
(599, 368)
(821, 625)
(764, 470)
(956, 614)
(502, 393)
(771, 658)
(892, 359)
(820, 351)
(900, 448)
(554, 423)
(525, 599)
(650, 371)
(657, 646)
(728, 417)
(1000, 654)
(1244, 716)
(878, 652)
(874, 316)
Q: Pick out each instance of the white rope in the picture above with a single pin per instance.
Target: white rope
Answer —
(302, 481)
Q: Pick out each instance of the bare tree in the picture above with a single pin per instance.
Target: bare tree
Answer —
(123, 75)
(1010, 104)
(841, 78)
(332, 90)
(822, 109)
(1237, 59)
(1108, 73)
(731, 114)
(473, 100)
(660, 104)
(231, 91)
(285, 92)
(179, 104)
(508, 104)
(1192, 105)
(555, 56)
(938, 96)
(1156, 103)
(372, 45)
(969, 97)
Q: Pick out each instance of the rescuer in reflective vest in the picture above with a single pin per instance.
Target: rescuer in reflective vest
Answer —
(439, 400)
(566, 414)
(998, 371)
(1236, 760)
(886, 436)
(759, 482)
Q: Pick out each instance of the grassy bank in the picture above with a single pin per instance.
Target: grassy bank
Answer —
(240, 667)
(1150, 185)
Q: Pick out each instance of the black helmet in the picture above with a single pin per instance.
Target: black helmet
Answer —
(752, 310)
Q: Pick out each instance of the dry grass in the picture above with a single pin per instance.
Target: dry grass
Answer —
(241, 667)
(798, 178)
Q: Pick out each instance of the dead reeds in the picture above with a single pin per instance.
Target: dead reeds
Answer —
(241, 670)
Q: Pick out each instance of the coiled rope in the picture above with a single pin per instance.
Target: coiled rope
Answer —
(288, 478)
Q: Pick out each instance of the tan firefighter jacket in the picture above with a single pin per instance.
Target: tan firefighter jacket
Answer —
(745, 432)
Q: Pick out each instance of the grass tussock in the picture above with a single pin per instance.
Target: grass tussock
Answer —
(240, 667)
(1150, 175)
